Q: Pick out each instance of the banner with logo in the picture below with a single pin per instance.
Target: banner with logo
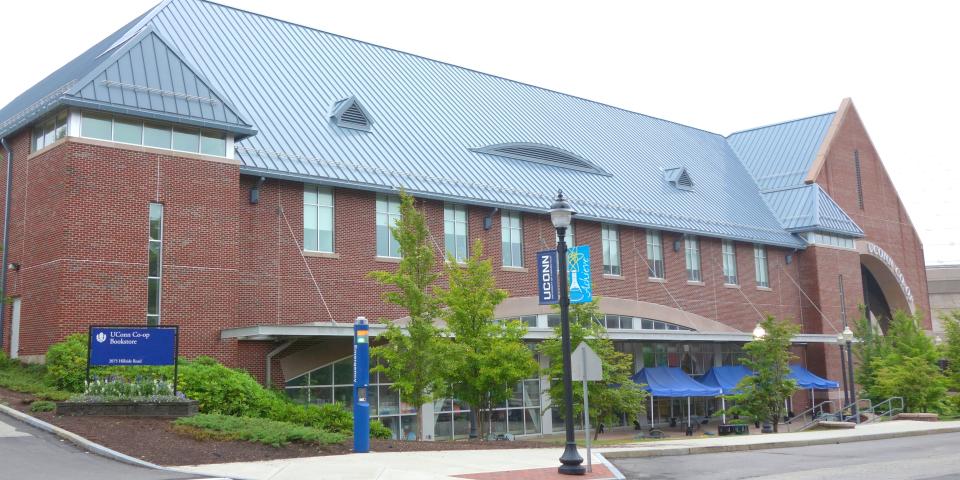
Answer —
(547, 277)
(578, 271)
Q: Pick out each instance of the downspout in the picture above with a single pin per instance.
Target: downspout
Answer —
(6, 237)
(268, 378)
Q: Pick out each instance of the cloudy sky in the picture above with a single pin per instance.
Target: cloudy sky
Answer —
(719, 66)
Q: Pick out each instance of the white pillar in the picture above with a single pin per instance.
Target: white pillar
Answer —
(428, 421)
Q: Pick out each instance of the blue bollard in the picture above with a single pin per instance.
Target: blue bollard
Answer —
(361, 382)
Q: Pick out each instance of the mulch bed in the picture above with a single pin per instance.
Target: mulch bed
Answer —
(154, 440)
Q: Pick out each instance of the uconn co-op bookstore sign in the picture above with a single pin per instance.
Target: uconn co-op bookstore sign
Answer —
(133, 346)
(578, 276)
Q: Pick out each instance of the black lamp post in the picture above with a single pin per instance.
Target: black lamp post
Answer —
(848, 337)
(560, 215)
(843, 371)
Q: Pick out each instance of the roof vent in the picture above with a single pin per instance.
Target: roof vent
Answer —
(348, 113)
(540, 153)
(678, 177)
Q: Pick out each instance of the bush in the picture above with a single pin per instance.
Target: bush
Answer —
(260, 430)
(218, 389)
(42, 406)
(29, 379)
(379, 430)
(67, 363)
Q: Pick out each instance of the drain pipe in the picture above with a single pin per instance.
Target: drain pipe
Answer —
(6, 237)
(268, 379)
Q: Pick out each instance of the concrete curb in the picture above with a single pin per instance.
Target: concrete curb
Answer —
(610, 466)
(664, 452)
(93, 446)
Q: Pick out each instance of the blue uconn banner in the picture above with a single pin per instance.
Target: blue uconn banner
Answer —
(547, 277)
(121, 346)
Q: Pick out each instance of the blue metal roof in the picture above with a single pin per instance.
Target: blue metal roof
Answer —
(283, 79)
(807, 207)
(781, 155)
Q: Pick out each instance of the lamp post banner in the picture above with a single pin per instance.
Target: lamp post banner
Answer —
(122, 346)
(578, 268)
(547, 277)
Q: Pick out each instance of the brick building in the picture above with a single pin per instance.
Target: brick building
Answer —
(235, 175)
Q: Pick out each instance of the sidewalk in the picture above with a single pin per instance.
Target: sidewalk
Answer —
(539, 463)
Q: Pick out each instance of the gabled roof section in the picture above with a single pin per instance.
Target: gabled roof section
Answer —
(781, 155)
(146, 76)
(808, 207)
(679, 177)
(348, 113)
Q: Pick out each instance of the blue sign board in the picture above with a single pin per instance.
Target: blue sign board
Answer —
(124, 346)
(547, 277)
(578, 270)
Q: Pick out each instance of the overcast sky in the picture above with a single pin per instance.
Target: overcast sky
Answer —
(719, 66)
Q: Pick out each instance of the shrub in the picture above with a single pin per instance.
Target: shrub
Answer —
(42, 406)
(259, 430)
(29, 379)
(218, 389)
(67, 363)
(379, 430)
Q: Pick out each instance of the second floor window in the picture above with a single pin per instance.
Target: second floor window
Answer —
(388, 214)
(760, 260)
(655, 254)
(610, 238)
(729, 262)
(692, 257)
(317, 218)
(455, 231)
(511, 230)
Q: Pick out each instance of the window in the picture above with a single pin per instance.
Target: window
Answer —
(511, 229)
(136, 132)
(53, 128)
(610, 238)
(655, 254)
(455, 231)
(388, 214)
(155, 263)
(856, 164)
(692, 256)
(317, 218)
(567, 236)
(729, 253)
(828, 239)
(760, 260)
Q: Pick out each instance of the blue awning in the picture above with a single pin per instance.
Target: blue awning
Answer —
(807, 380)
(672, 382)
(726, 377)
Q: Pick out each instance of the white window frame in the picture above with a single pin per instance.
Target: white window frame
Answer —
(320, 207)
(450, 227)
(228, 138)
(388, 217)
(656, 268)
(761, 266)
(610, 239)
(512, 235)
(691, 255)
(729, 253)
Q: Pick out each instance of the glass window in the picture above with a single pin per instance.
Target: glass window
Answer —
(213, 143)
(48, 131)
(96, 125)
(61, 126)
(317, 218)
(610, 238)
(388, 214)
(760, 261)
(127, 131)
(38, 138)
(156, 136)
(655, 254)
(186, 140)
(155, 263)
(553, 320)
(729, 253)
(455, 231)
(511, 229)
(692, 256)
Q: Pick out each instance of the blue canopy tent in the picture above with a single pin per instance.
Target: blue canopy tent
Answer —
(672, 382)
(726, 378)
(807, 380)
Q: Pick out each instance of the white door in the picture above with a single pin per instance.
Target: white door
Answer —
(15, 330)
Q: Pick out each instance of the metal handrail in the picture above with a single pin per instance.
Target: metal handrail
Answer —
(855, 410)
(890, 411)
(815, 412)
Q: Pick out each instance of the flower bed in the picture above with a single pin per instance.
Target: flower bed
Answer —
(159, 407)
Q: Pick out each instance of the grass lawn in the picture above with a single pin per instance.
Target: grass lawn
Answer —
(270, 432)
(29, 379)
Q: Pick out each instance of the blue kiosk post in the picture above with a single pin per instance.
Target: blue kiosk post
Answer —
(361, 381)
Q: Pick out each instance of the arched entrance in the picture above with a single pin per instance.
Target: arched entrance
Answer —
(885, 288)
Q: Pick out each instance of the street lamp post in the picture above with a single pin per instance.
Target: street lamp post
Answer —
(560, 215)
(848, 337)
(843, 371)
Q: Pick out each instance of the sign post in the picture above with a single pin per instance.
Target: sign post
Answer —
(118, 346)
(361, 382)
(587, 366)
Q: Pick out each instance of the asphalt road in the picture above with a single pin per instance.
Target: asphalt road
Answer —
(923, 457)
(30, 454)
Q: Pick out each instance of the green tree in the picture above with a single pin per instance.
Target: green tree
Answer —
(951, 348)
(413, 359)
(614, 394)
(907, 366)
(871, 345)
(487, 359)
(769, 357)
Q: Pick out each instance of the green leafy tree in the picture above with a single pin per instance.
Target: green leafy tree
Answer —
(614, 394)
(487, 359)
(871, 345)
(905, 364)
(413, 358)
(769, 358)
(951, 348)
